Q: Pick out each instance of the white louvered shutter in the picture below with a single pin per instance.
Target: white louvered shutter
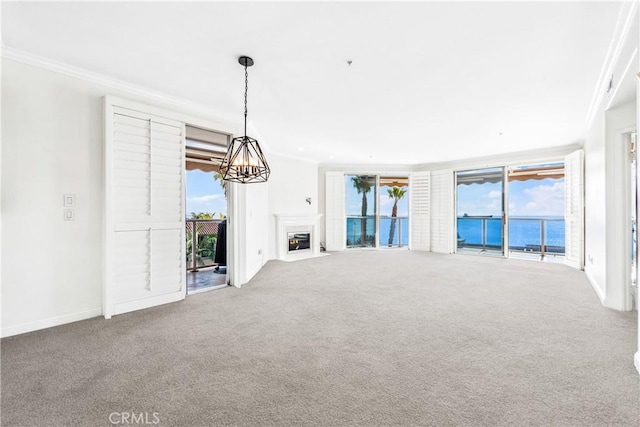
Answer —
(442, 196)
(335, 220)
(574, 208)
(419, 188)
(145, 265)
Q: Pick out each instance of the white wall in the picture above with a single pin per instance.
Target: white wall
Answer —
(618, 120)
(606, 173)
(595, 209)
(253, 220)
(52, 145)
(291, 182)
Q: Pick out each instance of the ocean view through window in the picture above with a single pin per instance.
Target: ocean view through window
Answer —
(377, 211)
(532, 216)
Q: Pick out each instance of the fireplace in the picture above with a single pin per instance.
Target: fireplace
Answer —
(297, 236)
(299, 242)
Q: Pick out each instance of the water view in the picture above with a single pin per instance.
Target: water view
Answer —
(525, 233)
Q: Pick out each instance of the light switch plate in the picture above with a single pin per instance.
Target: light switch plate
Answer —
(68, 214)
(69, 200)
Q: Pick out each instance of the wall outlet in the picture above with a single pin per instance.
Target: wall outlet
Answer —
(69, 200)
(590, 258)
(259, 251)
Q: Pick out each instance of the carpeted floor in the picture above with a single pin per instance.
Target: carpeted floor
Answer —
(361, 338)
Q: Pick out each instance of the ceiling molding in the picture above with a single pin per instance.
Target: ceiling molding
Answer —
(362, 168)
(529, 157)
(629, 69)
(110, 83)
(628, 13)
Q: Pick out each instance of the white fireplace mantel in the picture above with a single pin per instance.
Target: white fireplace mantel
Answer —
(288, 223)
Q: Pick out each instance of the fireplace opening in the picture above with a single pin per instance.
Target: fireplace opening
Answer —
(299, 241)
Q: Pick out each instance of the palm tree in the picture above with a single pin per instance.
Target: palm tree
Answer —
(395, 193)
(202, 215)
(362, 184)
(218, 177)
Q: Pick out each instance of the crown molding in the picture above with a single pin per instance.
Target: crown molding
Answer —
(628, 13)
(527, 157)
(110, 83)
(632, 62)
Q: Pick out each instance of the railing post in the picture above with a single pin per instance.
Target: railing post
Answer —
(484, 233)
(194, 247)
(542, 245)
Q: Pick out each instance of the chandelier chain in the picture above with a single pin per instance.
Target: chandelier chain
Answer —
(246, 89)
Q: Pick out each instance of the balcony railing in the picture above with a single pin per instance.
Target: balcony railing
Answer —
(355, 225)
(202, 236)
(483, 232)
(544, 236)
(400, 233)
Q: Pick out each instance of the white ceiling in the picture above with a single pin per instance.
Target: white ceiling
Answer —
(429, 82)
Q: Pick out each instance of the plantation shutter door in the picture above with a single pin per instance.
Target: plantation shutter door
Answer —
(335, 220)
(442, 214)
(419, 183)
(574, 209)
(144, 173)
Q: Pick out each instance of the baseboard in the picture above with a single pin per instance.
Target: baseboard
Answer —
(129, 306)
(50, 322)
(636, 361)
(595, 287)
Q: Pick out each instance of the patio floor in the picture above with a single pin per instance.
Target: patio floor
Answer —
(205, 279)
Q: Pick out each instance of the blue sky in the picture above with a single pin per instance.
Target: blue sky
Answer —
(537, 197)
(385, 204)
(526, 198)
(204, 194)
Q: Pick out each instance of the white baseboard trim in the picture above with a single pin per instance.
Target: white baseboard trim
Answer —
(50, 322)
(127, 307)
(636, 360)
(595, 287)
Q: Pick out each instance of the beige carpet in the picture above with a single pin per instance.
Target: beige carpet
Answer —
(363, 338)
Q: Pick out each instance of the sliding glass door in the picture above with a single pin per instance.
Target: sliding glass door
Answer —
(536, 210)
(480, 211)
(377, 211)
(361, 210)
(393, 225)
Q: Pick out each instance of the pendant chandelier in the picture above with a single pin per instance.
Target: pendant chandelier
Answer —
(244, 161)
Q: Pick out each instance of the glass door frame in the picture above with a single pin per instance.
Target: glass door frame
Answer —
(507, 168)
(399, 219)
(503, 199)
(375, 215)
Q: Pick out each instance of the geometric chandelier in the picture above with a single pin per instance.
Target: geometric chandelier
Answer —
(244, 162)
